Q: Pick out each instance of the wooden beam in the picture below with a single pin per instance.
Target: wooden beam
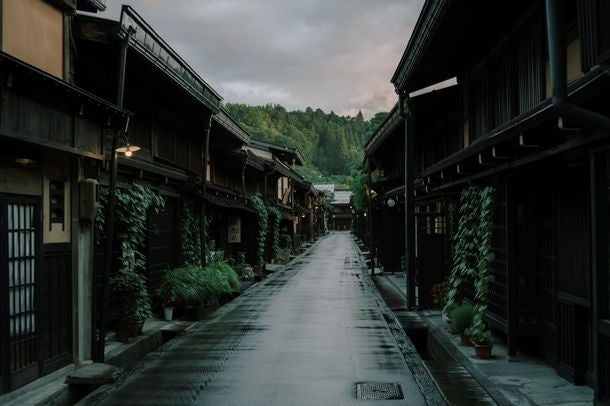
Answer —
(572, 144)
(496, 155)
(482, 161)
(523, 143)
(460, 171)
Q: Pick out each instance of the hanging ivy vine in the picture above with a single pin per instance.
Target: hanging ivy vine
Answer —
(274, 217)
(190, 234)
(478, 332)
(472, 255)
(132, 207)
(263, 218)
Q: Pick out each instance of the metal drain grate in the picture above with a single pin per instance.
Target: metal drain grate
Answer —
(378, 391)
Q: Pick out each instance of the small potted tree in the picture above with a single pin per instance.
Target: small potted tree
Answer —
(480, 337)
(129, 302)
(167, 293)
(461, 318)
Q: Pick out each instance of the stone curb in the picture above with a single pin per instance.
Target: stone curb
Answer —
(427, 385)
(442, 340)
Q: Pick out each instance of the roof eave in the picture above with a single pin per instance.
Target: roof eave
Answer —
(426, 25)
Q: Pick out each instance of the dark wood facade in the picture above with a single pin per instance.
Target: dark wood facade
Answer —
(498, 125)
(52, 138)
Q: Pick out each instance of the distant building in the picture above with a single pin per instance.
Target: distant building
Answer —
(341, 206)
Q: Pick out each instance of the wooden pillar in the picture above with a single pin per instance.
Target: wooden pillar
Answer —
(511, 269)
(599, 266)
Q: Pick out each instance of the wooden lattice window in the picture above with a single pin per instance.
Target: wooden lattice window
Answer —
(57, 204)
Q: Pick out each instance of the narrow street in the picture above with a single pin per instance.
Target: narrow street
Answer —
(305, 336)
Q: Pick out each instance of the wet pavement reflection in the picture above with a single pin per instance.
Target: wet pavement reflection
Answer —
(305, 336)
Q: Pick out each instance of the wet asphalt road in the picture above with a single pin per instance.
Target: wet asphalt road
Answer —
(305, 336)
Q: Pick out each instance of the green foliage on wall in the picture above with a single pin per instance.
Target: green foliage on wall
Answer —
(360, 190)
(133, 205)
(472, 255)
(478, 332)
(274, 218)
(263, 218)
(190, 233)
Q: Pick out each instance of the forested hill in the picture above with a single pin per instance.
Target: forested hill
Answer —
(333, 146)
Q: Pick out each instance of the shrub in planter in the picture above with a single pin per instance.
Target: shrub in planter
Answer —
(461, 317)
(129, 300)
(220, 279)
(177, 289)
(192, 286)
(480, 337)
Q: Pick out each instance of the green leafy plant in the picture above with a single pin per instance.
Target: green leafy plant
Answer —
(130, 302)
(239, 264)
(180, 286)
(263, 218)
(275, 217)
(478, 332)
(461, 317)
(472, 254)
(190, 234)
(194, 286)
(361, 193)
(133, 204)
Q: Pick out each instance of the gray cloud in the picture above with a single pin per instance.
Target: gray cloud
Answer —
(333, 54)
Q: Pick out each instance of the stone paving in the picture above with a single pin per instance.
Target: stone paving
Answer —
(305, 336)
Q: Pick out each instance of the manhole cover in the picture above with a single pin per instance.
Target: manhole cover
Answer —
(378, 391)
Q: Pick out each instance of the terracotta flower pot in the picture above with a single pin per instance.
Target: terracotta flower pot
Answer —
(483, 350)
(465, 339)
(122, 333)
(136, 328)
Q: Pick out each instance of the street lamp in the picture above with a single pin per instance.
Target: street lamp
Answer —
(127, 148)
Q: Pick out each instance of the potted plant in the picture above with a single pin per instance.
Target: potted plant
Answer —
(180, 287)
(129, 302)
(166, 292)
(439, 294)
(461, 318)
(481, 339)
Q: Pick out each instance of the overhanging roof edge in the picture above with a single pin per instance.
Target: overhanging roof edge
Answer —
(427, 23)
(183, 73)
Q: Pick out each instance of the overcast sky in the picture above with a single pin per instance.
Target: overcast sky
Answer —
(333, 54)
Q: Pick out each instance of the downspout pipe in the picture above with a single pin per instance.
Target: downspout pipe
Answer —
(559, 78)
(403, 101)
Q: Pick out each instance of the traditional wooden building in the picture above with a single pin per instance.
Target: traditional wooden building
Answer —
(283, 187)
(384, 163)
(173, 108)
(528, 115)
(435, 137)
(235, 174)
(342, 210)
(52, 138)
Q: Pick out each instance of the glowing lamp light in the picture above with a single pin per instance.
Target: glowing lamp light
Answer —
(391, 202)
(128, 150)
